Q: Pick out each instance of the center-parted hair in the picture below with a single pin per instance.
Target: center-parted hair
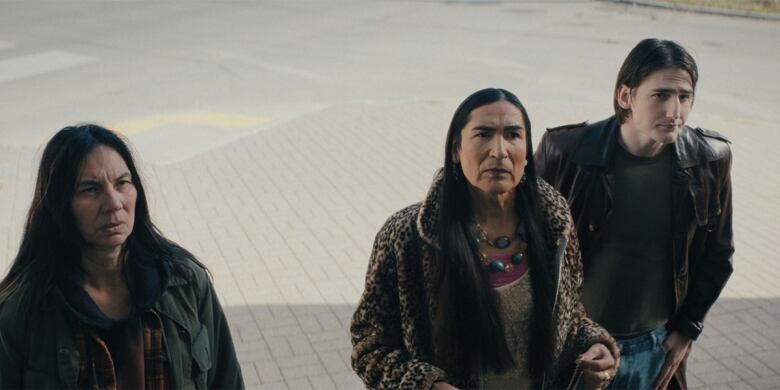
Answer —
(468, 333)
(51, 245)
(648, 56)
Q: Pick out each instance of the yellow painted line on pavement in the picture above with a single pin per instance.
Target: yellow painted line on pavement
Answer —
(217, 120)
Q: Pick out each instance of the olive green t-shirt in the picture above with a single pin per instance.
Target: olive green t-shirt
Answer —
(628, 280)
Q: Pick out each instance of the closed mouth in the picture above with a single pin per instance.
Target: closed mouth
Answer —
(112, 225)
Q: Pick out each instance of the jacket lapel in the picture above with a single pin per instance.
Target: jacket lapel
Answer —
(596, 146)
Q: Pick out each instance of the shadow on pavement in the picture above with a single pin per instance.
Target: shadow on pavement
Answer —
(294, 346)
(302, 346)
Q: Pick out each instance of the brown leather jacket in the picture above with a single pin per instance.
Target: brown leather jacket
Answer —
(577, 161)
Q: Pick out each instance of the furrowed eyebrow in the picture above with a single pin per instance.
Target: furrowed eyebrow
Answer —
(483, 128)
(125, 175)
(491, 128)
(674, 90)
(88, 182)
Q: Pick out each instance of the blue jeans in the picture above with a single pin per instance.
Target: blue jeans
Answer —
(641, 359)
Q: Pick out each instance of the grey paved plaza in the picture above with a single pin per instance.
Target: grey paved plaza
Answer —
(276, 138)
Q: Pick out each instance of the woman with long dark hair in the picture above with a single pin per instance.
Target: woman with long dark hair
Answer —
(478, 285)
(97, 297)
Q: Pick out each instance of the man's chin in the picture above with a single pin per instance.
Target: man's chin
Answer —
(668, 138)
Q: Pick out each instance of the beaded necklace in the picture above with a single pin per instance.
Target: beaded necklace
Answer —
(501, 242)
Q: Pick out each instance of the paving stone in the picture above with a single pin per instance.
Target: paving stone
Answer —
(322, 382)
(348, 381)
(251, 346)
(249, 373)
(333, 362)
(279, 347)
(268, 371)
(328, 321)
(253, 355)
(300, 345)
(285, 327)
(309, 323)
(713, 378)
(693, 380)
(744, 342)
(765, 383)
(281, 385)
(770, 358)
(707, 367)
(250, 334)
(330, 345)
(739, 368)
(299, 383)
(303, 370)
(725, 351)
(760, 368)
(298, 361)
(723, 386)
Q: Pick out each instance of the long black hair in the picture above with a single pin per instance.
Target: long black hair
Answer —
(468, 334)
(51, 245)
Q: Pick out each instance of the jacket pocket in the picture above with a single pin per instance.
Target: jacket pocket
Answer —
(706, 199)
(201, 357)
(706, 208)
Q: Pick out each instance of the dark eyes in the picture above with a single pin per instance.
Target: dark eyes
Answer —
(88, 190)
(94, 188)
(664, 96)
(488, 134)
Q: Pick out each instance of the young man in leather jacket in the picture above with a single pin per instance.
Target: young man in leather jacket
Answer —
(651, 199)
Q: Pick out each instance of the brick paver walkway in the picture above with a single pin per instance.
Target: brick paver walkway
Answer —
(285, 219)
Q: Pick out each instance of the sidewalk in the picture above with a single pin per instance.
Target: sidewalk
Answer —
(285, 220)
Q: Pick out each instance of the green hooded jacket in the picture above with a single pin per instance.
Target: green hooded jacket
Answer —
(196, 335)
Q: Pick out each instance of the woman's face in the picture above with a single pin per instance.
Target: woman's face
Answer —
(492, 148)
(104, 201)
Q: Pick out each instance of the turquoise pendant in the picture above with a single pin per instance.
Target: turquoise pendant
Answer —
(497, 266)
(517, 258)
(502, 242)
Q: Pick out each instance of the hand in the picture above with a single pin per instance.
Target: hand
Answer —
(677, 348)
(443, 386)
(598, 366)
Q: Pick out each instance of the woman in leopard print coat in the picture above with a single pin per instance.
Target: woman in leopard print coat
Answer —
(402, 331)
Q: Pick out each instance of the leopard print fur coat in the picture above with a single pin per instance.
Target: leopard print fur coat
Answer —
(390, 329)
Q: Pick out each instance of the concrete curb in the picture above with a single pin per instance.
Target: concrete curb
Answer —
(700, 9)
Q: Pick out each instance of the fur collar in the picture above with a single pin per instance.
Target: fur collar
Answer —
(428, 216)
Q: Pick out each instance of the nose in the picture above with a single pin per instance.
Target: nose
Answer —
(112, 200)
(498, 151)
(674, 108)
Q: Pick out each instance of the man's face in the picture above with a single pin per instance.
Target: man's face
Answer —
(659, 106)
